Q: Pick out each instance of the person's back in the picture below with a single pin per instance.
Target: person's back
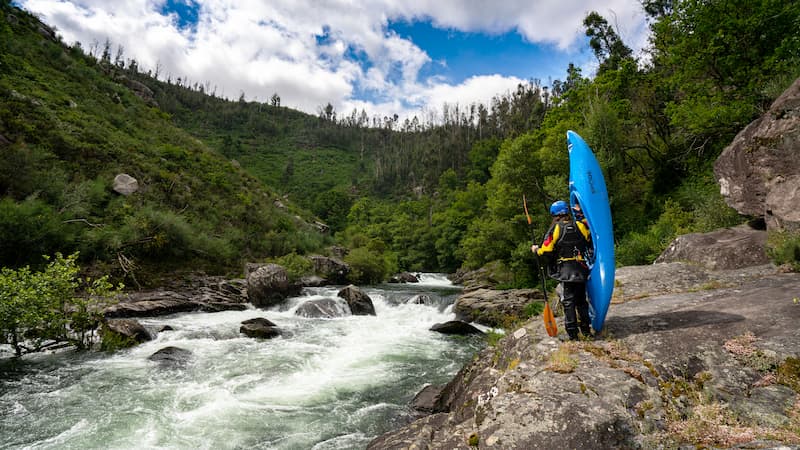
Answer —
(570, 250)
(567, 244)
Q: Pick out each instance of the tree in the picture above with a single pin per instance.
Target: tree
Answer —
(40, 310)
(106, 56)
(605, 42)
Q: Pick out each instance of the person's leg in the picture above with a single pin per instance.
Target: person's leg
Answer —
(570, 317)
(582, 307)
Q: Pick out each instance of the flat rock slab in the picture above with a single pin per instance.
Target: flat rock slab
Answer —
(670, 326)
(534, 392)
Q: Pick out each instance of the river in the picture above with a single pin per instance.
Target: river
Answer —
(326, 384)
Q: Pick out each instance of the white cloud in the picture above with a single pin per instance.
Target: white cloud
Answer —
(302, 49)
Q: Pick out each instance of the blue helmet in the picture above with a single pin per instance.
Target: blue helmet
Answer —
(559, 208)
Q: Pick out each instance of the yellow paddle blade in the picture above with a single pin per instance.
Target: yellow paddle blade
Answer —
(549, 320)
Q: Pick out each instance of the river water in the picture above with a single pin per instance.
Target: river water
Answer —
(327, 384)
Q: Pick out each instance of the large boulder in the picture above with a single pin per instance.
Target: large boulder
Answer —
(404, 277)
(125, 184)
(142, 91)
(486, 277)
(325, 308)
(455, 327)
(171, 357)
(151, 308)
(494, 308)
(359, 302)
(126, 331)
(759, 173)
(196, 293)
(268, 285)
(428, 400)
(332, 269)
(260, 327)
(727, 248)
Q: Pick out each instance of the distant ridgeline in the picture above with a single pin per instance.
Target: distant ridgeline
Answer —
(71, 123)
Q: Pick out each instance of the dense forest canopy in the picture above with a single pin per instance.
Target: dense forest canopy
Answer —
(437, 192)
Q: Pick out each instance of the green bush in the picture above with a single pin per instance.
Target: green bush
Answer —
(783, 247)
(48, 307)
(533, 309)
(643, 248)
(296, 265)
(637, 249)
(366, 266)
(30, 226)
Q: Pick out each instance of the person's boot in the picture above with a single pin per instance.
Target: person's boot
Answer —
(573, 334)
(587, 332)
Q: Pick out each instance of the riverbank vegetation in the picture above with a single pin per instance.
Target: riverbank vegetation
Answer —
(53, 307)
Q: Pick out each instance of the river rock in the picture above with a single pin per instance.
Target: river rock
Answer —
(313, 281)
(125, 184)
(128, 330)
(150, 308)
(404, 277)
(759, 173)
(728, 248)
(360, 304)
(268, 285)
(192, 293)
(428, 400)
(260, 327)
(455, 327)
(333, 270)
(492, 307)
(486, 277)
(326, 308)
(420, 299)
(221, 306)
(171, 356)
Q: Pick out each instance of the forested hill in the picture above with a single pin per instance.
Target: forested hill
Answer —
(436, 192)
(444, 190)
(69, 124)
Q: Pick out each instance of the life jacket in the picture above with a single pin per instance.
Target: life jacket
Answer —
(571, 244)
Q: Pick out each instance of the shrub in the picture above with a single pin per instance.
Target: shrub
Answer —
(783, 247)
(30, 226)
(296, 265)
(42, 309)
(366, 266)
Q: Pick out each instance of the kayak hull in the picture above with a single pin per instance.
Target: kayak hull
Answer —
(587, 187)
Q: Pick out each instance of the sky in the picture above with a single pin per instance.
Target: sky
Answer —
(404, 57)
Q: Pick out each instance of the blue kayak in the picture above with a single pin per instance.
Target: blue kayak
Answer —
(587, 187)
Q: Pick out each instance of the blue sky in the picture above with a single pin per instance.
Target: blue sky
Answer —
(457, 55)
(384, 56)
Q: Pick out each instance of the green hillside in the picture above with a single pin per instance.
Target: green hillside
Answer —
(69, 124)
(295, 152)
(425, 193)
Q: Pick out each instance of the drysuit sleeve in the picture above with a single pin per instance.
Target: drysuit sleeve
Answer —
(584, 229)
(550, 241)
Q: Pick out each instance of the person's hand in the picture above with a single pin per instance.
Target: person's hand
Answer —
(534, 248)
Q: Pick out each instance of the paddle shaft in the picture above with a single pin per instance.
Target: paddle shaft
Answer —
(547, 314)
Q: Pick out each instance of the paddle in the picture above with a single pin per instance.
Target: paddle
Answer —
(549, 318)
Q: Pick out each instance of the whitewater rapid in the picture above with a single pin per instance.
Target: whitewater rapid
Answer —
(326, 384)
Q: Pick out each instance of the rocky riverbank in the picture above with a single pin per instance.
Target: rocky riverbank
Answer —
(714, 362)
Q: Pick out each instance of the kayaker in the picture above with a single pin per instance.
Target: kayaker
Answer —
(566, 245)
